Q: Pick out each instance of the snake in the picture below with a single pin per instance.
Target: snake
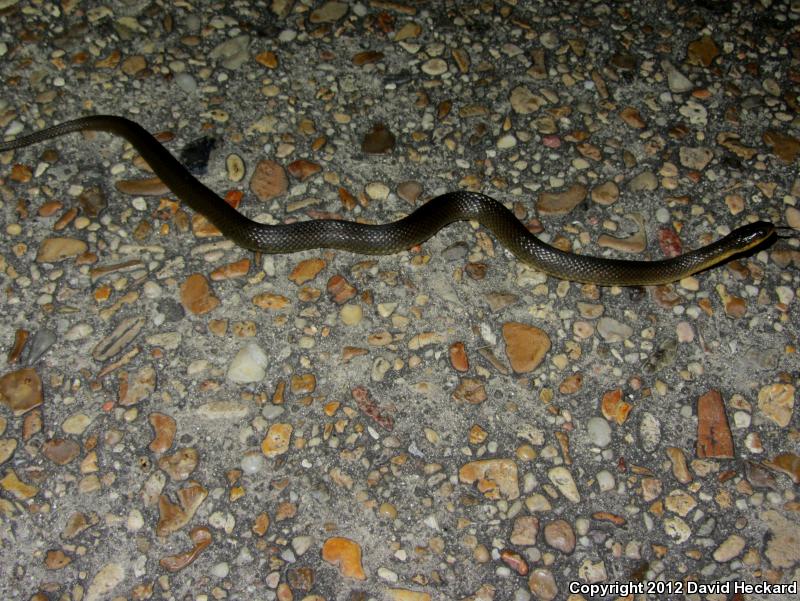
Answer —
(417, 227)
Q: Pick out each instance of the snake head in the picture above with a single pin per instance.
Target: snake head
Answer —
(751, 235)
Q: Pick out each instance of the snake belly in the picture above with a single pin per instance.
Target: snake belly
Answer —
(414, 229)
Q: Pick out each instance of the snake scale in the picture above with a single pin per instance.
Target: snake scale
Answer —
(414, 229)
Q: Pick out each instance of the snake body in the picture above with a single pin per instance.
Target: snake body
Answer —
(408, 231)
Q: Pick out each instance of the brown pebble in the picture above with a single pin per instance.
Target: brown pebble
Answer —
(303, 384)
(571, 384)
(525, 529)
(470, 390)
(515, 561)
(237, 269)
(367, 57)
(559, 535)
(110, 61)
(21, 390)
(605, 516)
(713, 433)
(164, 428)
(133, 65)
(50, 208)
(152, 186)
(345, 554)
(7, 448)
(20, 338)
(61, 450)
(55, 559)
(458, 357)
(271, 301)
(606, 193)
(13, 485)
(276, 442)
(614, 408)
(137, 387)
(31, 424)
(196, 295)
(306, 270)
(201, 538)
(340, 290)
(560, 203)
(174, 516)
(495, 478)
(261, 524)
(784, 146)
(268, 181)
(477, 435)
(77, 523)
(378, 140)
(181, 464)
(736, 307)
(409, 191)
(632, 117)
(21, 173)
(680, 468)
(543, 584)
(786, 463)
(349, 202)
(268, 59)
(53, 250)
(702, 51)
(526, 346)
(302, 169)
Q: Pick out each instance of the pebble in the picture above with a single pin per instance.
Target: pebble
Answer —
(351, 315)
(249, 365)
(542, 584)
(232, 53)
(730, 548)
(186, 82)
(268, 181)
(53, 250)
(560, 203)
(678, 83)
(328, 13)
(525, 530)
(526, 346)
(434, 66)
(612, 330)
(776, 401)
(695, 158)
(599, 432)
(107, 578)
(61, 451)
(21, 390)
(377, 191)
(378, 140)
(695, 112)
(345, 554)
(409, 191)
(277, 440)
(197, 296)
(495, 478)
(606, 193)
(649, 432)
(643, 182)
(713, 433)
(562, 479)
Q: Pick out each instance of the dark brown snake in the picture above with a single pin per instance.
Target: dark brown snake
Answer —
(411, 230)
